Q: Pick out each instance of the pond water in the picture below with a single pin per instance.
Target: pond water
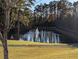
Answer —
(41, 36)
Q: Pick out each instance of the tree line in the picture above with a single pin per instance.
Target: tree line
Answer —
(53, 11)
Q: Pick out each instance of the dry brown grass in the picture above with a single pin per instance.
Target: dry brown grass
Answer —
(41, 53)
(61, 51)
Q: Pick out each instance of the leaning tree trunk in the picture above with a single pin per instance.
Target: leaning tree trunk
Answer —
(5, 46)
(6, 28)
(3, 39)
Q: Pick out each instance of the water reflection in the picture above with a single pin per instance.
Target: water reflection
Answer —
(41, 36)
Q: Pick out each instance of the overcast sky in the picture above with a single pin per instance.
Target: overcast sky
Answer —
(47, 1)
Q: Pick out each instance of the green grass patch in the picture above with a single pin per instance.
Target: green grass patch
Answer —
(18, 42)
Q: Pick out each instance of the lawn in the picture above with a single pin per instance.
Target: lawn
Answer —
(52, 52)
(16, 42)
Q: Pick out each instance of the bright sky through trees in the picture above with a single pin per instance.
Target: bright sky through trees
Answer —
(47, 1)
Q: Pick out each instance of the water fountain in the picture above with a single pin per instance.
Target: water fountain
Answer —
(37, 35)
(42, 36)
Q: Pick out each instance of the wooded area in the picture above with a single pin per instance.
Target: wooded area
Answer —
(17, 14)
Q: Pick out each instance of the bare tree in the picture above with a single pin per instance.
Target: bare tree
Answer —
(7, 6)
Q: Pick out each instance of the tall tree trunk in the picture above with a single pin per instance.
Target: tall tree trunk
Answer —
(18, 26)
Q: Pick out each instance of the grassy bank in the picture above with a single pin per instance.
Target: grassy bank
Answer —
(39, 52)
(18, 42)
